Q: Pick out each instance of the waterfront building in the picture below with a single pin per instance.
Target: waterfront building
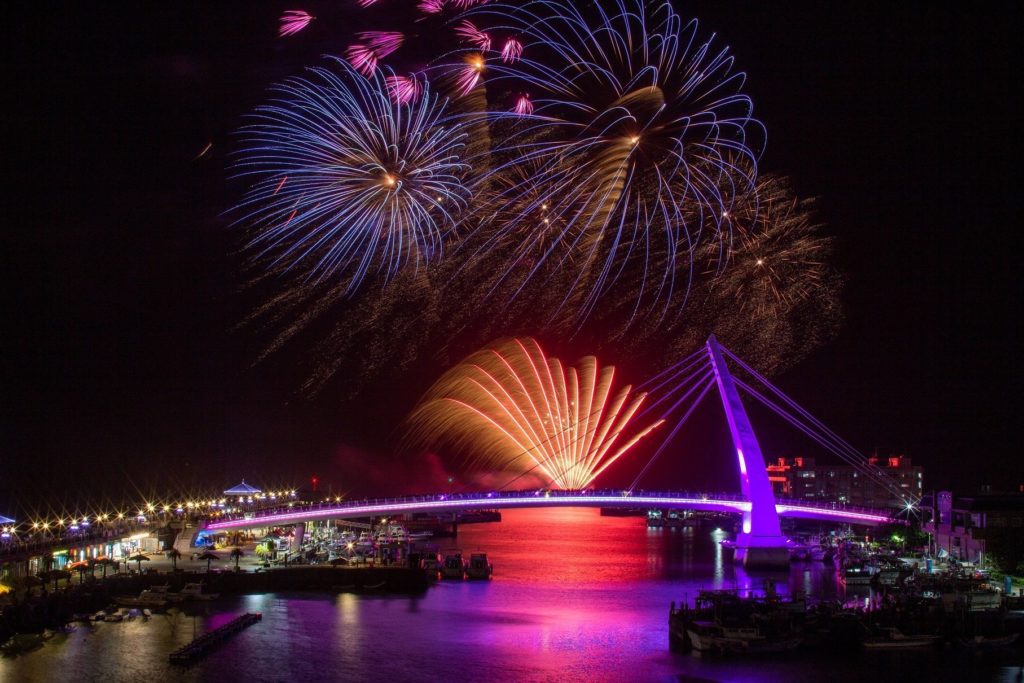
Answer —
(967, 527)
(803, 478)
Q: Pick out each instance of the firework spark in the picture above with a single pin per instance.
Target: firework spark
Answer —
(641, 131)
(472, 35)
(523, 105)
(431, 6)
(520, 410)
(512, 51)
(371, 182)
(293, 21)
(403, 89)
(469, 73)
(374, 46)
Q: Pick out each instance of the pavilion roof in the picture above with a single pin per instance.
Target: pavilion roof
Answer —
(242, 489)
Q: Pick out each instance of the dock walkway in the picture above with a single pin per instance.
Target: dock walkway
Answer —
(206, 642)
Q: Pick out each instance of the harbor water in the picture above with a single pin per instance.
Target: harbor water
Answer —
(575, 596)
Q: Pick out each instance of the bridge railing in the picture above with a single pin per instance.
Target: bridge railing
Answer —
(498, 496)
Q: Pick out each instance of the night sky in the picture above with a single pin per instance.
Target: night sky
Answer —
(122, 365)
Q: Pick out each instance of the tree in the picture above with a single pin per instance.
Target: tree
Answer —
(174, 555)
(1006, 547)
(236, 555)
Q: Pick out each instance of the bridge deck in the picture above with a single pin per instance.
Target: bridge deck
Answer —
(382, 507)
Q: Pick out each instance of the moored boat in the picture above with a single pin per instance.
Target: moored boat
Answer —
(894, 639)
(453, 566)
(478, 567)
(989, 642)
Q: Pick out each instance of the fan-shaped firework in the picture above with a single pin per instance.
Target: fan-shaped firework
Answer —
(638, 127)
(294, 21)
(519, 410)
(347, 179)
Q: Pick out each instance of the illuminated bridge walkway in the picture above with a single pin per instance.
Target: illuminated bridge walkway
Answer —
(444, 503)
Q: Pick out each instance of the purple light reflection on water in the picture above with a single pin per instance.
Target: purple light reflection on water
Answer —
(576, 597)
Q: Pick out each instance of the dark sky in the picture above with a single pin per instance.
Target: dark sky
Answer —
(119, 364)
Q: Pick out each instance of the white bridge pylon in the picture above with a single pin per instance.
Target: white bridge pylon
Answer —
(761, 537)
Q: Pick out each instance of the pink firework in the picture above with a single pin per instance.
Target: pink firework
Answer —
(474, 36)
(431, 6)
(366, 3)
(512, 51)
(375, 46)
(403, 89)
(293, 21)
(469, 75)
(523, 106)
(362, 58)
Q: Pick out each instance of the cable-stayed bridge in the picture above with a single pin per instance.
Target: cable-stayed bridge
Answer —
(675, 393)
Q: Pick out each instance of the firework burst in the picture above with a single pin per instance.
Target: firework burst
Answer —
(294, 21)
(519, 410)
(346, 180)
(639, 130)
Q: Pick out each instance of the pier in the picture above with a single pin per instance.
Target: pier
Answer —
(206, 642)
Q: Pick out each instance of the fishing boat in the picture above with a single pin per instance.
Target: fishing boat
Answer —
(708, 636)
(989, 642)
(478, 567)
(147, 598)
(453, 566)
(194, 591)
(431, 564)
(724, 622)
(894, 639)
(859, 573)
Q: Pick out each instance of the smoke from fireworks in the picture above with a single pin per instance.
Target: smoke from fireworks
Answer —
(348, 181)
(518, 410)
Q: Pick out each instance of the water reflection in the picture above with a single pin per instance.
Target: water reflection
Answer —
(574, 596)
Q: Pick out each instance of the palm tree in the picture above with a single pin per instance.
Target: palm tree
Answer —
(174, 554)
(138, 559)
(236, 555)
(209, 557)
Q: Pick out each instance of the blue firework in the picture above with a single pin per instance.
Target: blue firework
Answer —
(348, 181)
(635, 141)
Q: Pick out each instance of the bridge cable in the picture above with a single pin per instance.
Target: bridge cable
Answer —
(858, 464)
(708, 383)
(839, 445)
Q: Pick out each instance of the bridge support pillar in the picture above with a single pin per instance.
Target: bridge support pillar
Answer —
(300, 532)
(768, 557)
(760, 543)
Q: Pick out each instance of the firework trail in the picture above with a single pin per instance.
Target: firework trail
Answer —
(371, 183)
(639, 129)
(517, 409)
(294, 21)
